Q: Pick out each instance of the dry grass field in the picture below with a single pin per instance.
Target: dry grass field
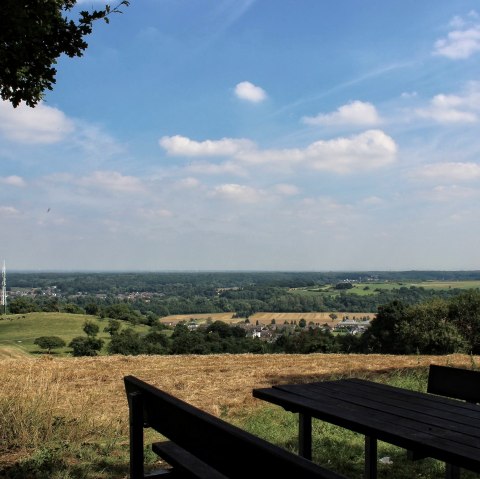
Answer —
(177, 318)
(82, 400)
(265, 317)
(320, 318)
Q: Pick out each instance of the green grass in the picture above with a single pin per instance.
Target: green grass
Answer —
(20, 330)
(368, 289)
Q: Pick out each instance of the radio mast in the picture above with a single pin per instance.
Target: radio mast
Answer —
(4, 288)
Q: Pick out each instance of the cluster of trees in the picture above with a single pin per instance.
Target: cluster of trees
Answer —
(244, 302)
(437, 326)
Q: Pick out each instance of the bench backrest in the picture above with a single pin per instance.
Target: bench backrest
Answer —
(456, 383)
(227, 448)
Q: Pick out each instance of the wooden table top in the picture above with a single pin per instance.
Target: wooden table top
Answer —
(434, 426)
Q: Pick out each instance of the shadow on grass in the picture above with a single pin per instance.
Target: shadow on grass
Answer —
(379, 375)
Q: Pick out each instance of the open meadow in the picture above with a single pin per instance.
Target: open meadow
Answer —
(68, 417)
(18, 331)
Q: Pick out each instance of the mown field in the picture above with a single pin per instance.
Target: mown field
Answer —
(18, 331)
(265, 317)
(68, 417)
(372, 287)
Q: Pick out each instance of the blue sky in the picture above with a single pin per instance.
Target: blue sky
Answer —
(253, 135)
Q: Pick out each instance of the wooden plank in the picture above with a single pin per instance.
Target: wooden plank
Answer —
(407, 407)
(185, 463)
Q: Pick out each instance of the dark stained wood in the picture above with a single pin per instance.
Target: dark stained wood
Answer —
(454, 383)
(443, 428)
(182, 461)
(227, 449)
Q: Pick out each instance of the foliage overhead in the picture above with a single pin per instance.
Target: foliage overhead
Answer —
(33, 35)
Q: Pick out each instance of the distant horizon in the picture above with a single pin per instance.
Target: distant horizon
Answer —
(249, 271)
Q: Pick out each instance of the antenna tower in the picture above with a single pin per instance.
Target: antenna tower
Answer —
(4, 288)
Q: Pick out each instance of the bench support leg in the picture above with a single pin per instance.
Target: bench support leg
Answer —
(305, 436)
(136, 436)
(370, 457)
(452, 472)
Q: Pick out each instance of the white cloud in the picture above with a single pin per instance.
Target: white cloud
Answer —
(463, 42)
(367, 150)
(250, 92)
(449, 171)
(182, 146)
(354, 113)
(42, 124)
(6, 211)
(372, 201)
(13, 181)
(96, 142)
(153, 214)
(237, 193)
(454, 108)
(228, 167)
(286, 189)
(187, 183)
(451, 193)
(111, 181)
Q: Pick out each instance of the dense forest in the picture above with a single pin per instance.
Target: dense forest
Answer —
(215, 292)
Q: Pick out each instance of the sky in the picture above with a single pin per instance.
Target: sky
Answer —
(253, 135)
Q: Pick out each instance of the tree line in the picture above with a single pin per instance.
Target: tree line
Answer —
(436, 326)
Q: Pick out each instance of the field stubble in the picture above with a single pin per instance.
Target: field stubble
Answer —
(82, 400)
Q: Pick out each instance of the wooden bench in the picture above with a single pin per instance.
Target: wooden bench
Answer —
(456, 383)
(201, 445)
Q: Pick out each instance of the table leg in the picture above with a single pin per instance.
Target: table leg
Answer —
(452, 472)
(305, 436)
(370, 457)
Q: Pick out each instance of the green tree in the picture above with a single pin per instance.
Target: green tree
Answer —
(90, 328)
(85, 346)
(127, 342)
(113, 327)
(382, 335)
(427, 330)
(33, 35)
(49, 343)
(464, 312)
(22, 305)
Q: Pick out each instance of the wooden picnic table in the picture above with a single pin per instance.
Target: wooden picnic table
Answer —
(426, 424)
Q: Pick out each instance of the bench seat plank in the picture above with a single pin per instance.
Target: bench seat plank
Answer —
(187, 465)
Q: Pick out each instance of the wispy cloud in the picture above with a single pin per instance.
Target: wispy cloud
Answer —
(461, 108)
(111, 181)
(13, 180)
(463, 42)
(355, 113)
(238, 193)
(448, 171)
(42, 124)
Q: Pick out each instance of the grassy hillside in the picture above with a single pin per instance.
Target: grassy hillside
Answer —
(18, 331)
(68, 417)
